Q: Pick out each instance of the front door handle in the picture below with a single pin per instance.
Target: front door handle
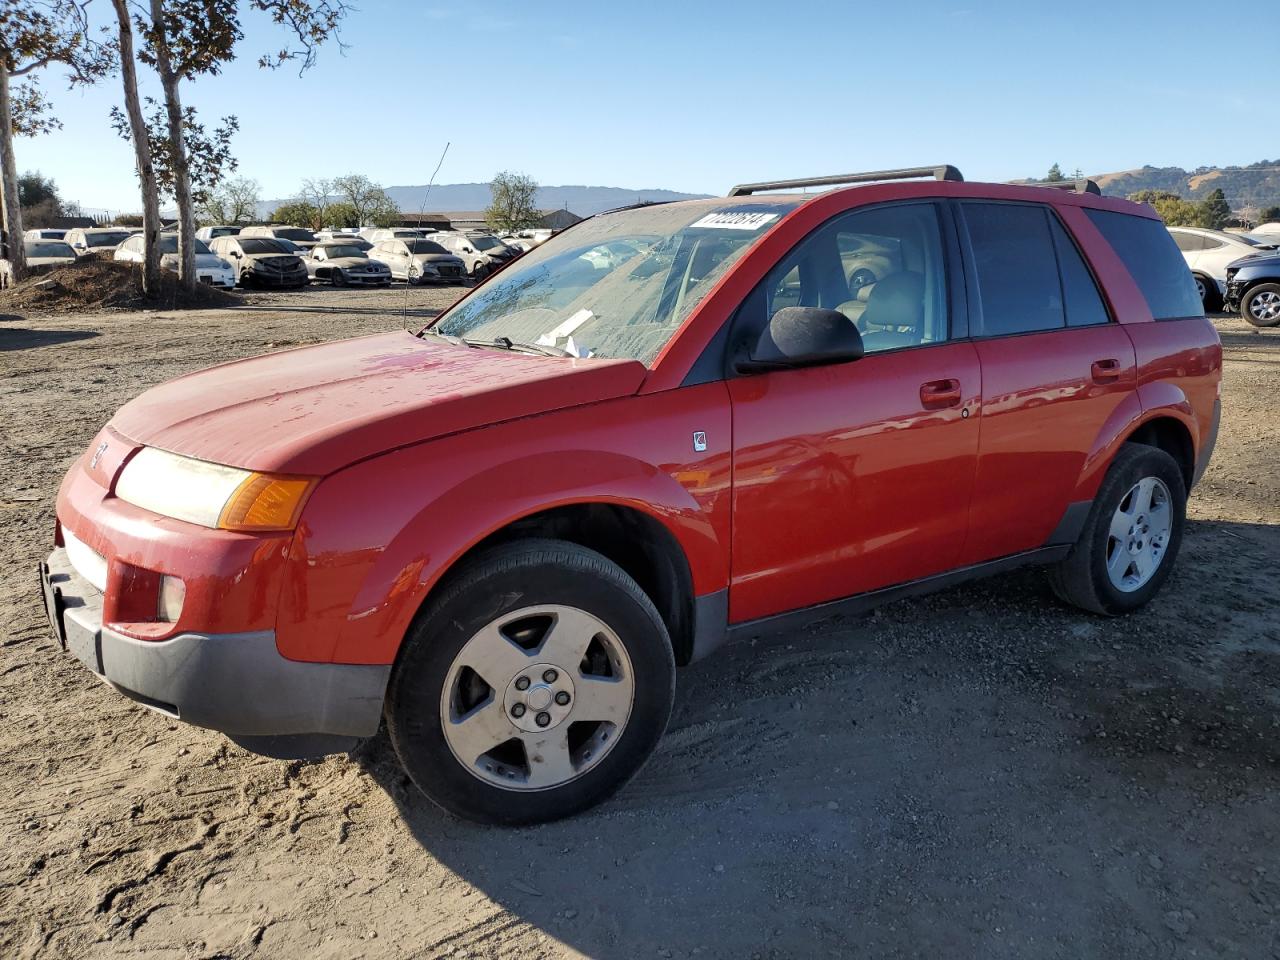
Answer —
(1105, 371)
(940, 393)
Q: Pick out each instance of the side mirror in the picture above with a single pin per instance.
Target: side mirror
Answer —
(803, 337)
(467, 250)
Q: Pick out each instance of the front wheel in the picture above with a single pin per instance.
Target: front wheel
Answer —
(533, 687)
(1131, 537)
(1261, 305)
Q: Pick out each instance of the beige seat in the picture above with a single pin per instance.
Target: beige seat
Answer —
(853, 309)
(894, 314)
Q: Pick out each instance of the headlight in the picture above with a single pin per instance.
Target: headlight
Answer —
(212, 495)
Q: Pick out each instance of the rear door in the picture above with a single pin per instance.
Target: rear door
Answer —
(1055, 366)
(855, 476)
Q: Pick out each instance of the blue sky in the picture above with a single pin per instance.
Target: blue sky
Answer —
(698, 96)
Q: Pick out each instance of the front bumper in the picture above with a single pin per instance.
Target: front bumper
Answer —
(265, 278)
(236, 683)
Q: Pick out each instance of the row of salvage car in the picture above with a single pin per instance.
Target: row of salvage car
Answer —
(288, 256)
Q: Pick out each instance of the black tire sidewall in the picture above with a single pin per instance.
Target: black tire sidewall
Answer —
(1137, 463)
(1248, 300)
(498, 584)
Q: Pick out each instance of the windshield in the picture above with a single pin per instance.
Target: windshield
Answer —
(424, 246)
(617, 285)
(262, 245)
(485, 243)
(334, 251)
(51, 248)
(296, 233)
(105, 239)
(169, 244)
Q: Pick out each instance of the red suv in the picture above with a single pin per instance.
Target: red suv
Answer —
(669, 426)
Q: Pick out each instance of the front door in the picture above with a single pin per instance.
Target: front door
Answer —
(855, 476)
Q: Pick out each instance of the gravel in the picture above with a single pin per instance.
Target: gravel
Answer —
(981, 773)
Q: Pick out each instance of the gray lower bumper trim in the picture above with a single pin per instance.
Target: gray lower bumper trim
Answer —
(237, 683)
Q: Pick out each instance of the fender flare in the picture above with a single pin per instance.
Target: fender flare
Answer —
(1160, 399)
(442, 531)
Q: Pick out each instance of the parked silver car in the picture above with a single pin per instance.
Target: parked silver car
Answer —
(298, 236)
(343, 263)
(46, 254)
(94, 241)
(419, 261)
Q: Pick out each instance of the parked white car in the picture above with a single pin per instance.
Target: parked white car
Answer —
(48, 253)
(1207, 253)
(44, 233)
(481, 252)
(213, 232)
(300, 237)
(378, 234)
(99, 241)
(210, 268)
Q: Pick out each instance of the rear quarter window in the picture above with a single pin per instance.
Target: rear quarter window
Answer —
(1154, 261)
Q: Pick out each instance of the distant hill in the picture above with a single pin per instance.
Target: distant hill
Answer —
(1257, 185)
(584, 201)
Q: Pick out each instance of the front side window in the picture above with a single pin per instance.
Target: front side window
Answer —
(617, 285)
(1153, 260)
(882, 268)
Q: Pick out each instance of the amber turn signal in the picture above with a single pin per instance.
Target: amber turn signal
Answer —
(266, 502)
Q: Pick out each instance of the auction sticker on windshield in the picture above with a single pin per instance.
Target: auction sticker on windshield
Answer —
(734, 221)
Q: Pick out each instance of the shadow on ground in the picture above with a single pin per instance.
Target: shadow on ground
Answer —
(984, 772)
(24, 338)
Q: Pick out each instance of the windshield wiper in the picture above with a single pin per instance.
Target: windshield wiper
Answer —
(506, 343)
(446, 337)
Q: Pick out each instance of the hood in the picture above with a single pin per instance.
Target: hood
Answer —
(1269, 259)
(316, 409)
(285, 258)
(348, 262)
(437, 258)
(48, 261)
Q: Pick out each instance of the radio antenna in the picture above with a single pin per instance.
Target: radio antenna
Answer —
(421, 211)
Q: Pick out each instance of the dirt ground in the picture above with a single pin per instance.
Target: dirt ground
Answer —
(983, 773)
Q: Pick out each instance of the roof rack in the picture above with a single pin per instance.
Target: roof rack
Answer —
(1075, 186)
(942, 172)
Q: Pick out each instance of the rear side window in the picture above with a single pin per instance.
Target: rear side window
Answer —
(1017, 270)
(1079, 290)
(1153, 261)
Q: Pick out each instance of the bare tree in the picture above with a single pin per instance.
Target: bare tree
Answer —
(33, 35)
(317, 193)
(189, 38)
(141, 152)
(368, 200)
(232, 201)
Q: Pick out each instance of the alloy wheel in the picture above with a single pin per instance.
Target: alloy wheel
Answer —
(1139, 534)
(537, 697)
(1265, 307)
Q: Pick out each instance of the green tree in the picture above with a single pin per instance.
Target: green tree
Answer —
(34, 34)
(39, 200)
(1269, 213)
(1175, 211)
(341, 214)
(512, 207)
(297, 213)
(1215, 211)
(1054, 175)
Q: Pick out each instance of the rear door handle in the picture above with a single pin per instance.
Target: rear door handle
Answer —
(1105, 371)
(940, 393)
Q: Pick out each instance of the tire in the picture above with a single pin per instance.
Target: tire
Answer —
(1084, 578)
(432, 696)
(337, 278)
(1210, 299)
(1261, 305)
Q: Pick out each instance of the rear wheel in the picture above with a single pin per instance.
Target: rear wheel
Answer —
(534, 686)
(1131, 538)
(1261, 305)
(1208, 291)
